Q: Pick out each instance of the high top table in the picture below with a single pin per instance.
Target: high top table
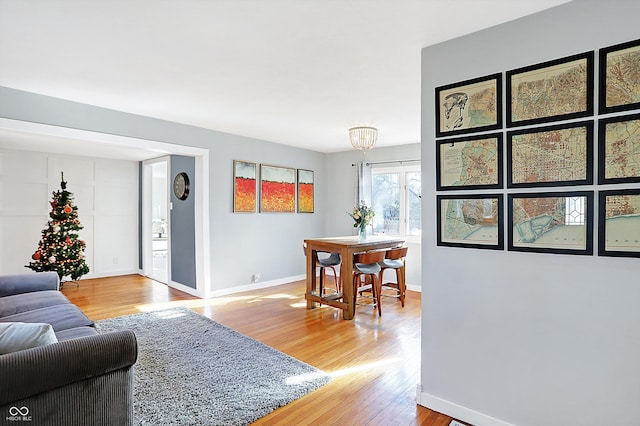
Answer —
(346, 246)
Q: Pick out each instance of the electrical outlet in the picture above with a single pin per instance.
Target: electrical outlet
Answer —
(115, 260)
(255, 278)
(456, 423)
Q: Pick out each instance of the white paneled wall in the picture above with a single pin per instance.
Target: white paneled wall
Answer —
(105, 191)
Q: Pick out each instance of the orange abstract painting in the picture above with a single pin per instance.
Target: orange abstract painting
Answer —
(277, 189)
(244, 187)
(305, 191)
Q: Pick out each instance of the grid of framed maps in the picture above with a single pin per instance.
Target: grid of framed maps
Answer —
(545, 147)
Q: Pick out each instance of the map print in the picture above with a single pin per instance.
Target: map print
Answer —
(550, 91)
(549, 156)
(466, 163)
(470, 220)
(623, 77)
(622, 149)
(550, 222)
(622, 223)
(470, 106)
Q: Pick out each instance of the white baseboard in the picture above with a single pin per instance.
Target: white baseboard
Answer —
(456, 411)
(111, 274)
(255, 286)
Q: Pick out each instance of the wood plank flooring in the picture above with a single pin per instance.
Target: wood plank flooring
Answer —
(374, 361)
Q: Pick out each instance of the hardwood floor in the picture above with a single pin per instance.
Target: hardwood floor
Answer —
(374, 361)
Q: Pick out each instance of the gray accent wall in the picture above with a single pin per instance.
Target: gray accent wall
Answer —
(527, 338)
(183, 226)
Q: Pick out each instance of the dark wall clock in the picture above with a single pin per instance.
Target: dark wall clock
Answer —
(181, 186)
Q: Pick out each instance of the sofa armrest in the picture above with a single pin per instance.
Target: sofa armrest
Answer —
(34, 371)
(26, 283)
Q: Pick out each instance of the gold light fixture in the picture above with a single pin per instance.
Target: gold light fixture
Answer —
(363, 138)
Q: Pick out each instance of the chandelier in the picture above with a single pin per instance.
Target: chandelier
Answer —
(363, 138)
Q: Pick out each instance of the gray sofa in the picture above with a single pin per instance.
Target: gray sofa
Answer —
(85, 378)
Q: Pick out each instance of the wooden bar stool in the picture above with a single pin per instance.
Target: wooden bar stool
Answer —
(367, 264)
(395, 259)
(324, 262)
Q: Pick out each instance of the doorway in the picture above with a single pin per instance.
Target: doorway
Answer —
(155, 219)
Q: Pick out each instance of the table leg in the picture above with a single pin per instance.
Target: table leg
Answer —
(346, 270)
(311, 274)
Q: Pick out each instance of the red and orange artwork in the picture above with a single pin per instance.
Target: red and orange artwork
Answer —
(305, 191)
(277, 189)
(244, 187)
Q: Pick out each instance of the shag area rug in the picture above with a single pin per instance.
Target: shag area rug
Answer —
(194, 371)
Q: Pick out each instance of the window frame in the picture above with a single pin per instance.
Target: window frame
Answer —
(402, 171)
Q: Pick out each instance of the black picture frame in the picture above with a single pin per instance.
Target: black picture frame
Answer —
(625, 211)
(469, 151)
(622, 168)
(491, 235)
(453, 101)
(615, 53)
(552, 74)
(551, 150)
(538, 234)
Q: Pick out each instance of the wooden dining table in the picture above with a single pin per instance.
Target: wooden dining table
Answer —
(346, 246)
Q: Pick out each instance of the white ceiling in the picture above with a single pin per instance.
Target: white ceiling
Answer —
(296, 72)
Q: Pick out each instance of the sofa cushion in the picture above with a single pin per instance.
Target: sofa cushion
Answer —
(61, 317)
(11, 305)
(17, 336)
(75, 332)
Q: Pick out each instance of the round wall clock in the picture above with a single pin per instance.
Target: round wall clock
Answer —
(181, 186)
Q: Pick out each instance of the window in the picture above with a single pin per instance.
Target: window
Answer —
(396, 199)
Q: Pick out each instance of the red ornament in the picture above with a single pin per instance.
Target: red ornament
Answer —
(36, 255)
(68, 240)
(53, 204)
(67, 209)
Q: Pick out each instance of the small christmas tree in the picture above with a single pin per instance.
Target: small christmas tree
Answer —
(59, 249)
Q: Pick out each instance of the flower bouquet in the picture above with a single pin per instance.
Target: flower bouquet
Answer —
(362, 216)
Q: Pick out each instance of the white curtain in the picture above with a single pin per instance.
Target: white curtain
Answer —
(363, 183)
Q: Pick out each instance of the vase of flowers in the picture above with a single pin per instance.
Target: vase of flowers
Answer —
(362, 216)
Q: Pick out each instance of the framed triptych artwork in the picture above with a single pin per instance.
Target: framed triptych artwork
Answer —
(277, 189)
(244, 186)
(305, 191)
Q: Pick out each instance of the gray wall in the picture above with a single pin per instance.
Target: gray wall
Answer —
(241, 244)
(183, 225)
(527, 338)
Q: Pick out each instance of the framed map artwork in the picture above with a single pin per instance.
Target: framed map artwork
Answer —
(551, 91)
(469, 106)
(473, 221)
(619, 77)
(550, 156)
(553, 222)
(305, 191)
(472, 162)
(619, 223)
(244, 187)
(277, 189)
(619, 149)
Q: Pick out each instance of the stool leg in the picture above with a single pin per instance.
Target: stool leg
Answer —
(377, 289)
(402, 285)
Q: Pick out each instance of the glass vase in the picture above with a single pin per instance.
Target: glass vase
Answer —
(362, 234)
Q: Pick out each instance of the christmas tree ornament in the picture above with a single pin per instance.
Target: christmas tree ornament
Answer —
(59, 248)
